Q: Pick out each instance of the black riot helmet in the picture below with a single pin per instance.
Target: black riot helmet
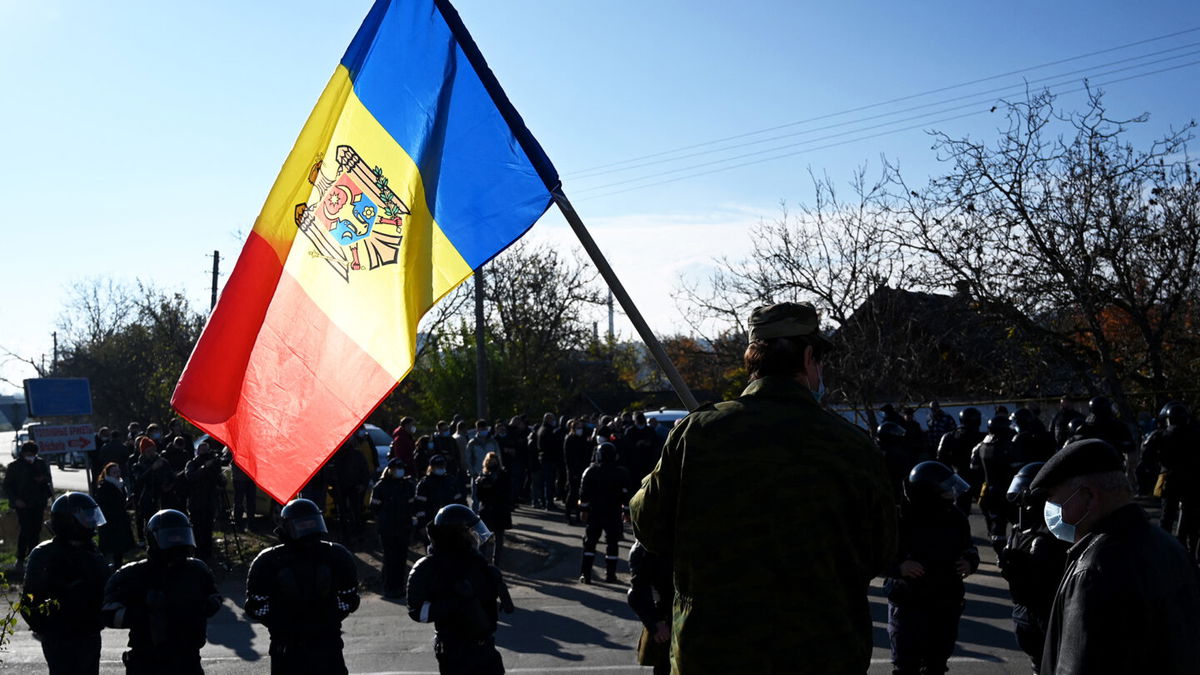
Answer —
(999, 425)
(457, 528)
(1175, 413)
(890, 430)
(1018, 489)
(75, 516)
(970, 418)
(301, 520)
(1075, 425)
(1022, 420)
(930, 481)
(1101, 407)
(169, 533)
(606, 453)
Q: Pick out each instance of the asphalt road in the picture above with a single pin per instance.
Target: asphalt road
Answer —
(560, 626)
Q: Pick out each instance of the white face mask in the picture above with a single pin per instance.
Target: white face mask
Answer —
(115, 480)
(412, 429)
(439, 472)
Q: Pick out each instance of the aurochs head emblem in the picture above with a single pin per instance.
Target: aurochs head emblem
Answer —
(355, 220)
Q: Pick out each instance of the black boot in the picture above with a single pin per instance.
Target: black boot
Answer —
(611, 574)
(585, 568)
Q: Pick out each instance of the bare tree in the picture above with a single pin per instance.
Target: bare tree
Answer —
(1079, 240)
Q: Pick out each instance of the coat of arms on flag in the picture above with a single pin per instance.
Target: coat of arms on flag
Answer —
(354, 220)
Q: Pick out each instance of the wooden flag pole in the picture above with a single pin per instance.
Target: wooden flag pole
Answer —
(631, 310)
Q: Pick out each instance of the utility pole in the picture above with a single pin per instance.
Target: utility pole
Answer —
(610, 315)
(481, 362)
(216, 271)
(54, 357)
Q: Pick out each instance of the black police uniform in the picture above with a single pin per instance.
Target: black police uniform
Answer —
(205, 482)
(996, 458)
(577, 454)
(394, 502)
(457, 590)
(30, 483)
(434, 492)
(64, 582)
(1032, 561)
(301, 591)
(923, 612)
(165, 604)
(954, 451)
(651, 595)
(603, 496)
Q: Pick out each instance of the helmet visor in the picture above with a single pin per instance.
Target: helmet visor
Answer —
(480, 533)
(90, 518)
(953, 487)
(303, 526)
(172, 537)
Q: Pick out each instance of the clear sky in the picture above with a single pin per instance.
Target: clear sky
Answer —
(141, 136)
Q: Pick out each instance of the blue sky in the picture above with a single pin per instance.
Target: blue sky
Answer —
(140, 136)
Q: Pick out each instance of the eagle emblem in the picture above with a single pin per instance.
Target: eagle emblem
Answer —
(354, 223)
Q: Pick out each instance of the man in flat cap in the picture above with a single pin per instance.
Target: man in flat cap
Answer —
(1129, 600)
(775, 513)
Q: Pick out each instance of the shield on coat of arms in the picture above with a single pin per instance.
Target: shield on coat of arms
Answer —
(355, 221)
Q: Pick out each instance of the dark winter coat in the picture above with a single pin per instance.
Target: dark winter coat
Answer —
(1129, 602)
(493, 491)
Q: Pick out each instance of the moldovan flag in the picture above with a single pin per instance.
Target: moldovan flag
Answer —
(412, 171)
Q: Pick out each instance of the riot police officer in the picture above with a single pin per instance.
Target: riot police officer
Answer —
(925, 586)
(995, 457)
(457, 590)
(1032, 561)
(1031, 441)
(897, 454)
(64, 587)
(603, 503)
(393, 500)
(954, 450)
(301, 590)
(28, 486)
(165, 600)
(1179, 454)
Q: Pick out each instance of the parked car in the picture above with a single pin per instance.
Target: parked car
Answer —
(666, 417)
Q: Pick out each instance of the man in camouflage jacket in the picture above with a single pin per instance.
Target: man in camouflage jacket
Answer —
(776, 515)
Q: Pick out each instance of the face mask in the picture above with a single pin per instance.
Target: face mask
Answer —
(579, 432)
(640, 426)
(115, 481)
(156, 435)
(820, 392)
(482, 433)
(429, 445)
(1058, 527)
(439, 472)
(397, 473)
(412, 429)
(446, 432)
(105, 439)
(29, 458)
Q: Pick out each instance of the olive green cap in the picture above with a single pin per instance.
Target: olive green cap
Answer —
(785, 319)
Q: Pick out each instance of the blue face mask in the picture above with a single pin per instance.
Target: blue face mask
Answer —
(1058, 527)
(820, 392)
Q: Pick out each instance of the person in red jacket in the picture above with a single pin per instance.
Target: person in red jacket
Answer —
(404, 443)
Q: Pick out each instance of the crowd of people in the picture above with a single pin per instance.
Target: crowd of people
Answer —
(780, 570)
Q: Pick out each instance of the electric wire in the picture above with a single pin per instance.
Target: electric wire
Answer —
(855, 140)
(889, 101)
(991, 93)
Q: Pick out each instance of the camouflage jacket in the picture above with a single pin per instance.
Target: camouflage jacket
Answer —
(777, 514)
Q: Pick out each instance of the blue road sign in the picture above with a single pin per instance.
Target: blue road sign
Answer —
(57, 396)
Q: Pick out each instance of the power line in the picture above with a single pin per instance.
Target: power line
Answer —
(891, 101)
(974, 95)
(855, 140)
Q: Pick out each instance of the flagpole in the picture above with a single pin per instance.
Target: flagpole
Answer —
(631, 310)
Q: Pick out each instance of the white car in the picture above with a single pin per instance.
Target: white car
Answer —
(666, 417)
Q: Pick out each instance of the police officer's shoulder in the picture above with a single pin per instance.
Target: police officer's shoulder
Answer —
(132, 568)
(268, 553)
(194, 567)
